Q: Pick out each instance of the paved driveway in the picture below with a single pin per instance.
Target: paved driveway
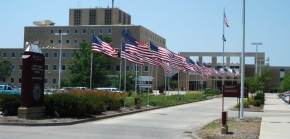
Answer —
(170, 123)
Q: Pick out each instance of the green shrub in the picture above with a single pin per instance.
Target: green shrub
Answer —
(257, 102)
(78, 103)
(246, 104)
(10, 104)
(260, 96)
(211, 92)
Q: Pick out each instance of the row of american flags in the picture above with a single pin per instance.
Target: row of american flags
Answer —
(150, 53)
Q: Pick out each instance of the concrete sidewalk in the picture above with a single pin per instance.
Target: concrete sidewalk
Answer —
(276, 120)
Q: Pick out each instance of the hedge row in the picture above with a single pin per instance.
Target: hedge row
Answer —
(79, 103)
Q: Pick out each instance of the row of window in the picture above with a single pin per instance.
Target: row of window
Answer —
(13, 54)
(12, 80)
(84, 31)
(46, 55)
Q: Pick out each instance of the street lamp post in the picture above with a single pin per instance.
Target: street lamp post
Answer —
(257, 44)
(60, 56)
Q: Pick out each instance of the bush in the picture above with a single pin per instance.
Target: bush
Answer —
(9, 104)
(211, 92)
(257, 102)
(260, 96)
(246, 104)
(78, 103)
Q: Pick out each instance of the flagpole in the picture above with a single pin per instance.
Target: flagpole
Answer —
(156, 80)
(120, 67)
(223, 56)
(135, 68)
(148, 85)
(125, 74)
(165, 85)
(243, 68)
(91, 73)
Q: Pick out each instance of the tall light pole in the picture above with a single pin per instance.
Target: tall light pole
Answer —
(60, 56)
(257, 44)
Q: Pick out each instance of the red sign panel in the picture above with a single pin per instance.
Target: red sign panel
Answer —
(234, 90)
(231, 90)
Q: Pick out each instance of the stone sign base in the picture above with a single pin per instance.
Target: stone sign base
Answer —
(224, 129)
(31, 112)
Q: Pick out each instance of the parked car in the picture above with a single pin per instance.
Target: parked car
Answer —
(110, 89)
(286, 99)
(6, 89)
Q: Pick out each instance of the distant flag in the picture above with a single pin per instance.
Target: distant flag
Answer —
(130, 56)
(226, 21)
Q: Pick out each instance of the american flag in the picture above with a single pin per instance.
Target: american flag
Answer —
(102, 47)
(165, 66)
(130, 56)
(226, 21)
(137, 47)
(160, 52)
(177, 61)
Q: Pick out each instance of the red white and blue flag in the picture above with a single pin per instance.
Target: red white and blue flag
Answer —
(102, 47)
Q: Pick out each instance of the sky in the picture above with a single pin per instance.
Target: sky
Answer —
(187, 25)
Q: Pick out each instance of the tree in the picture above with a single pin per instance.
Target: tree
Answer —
(257, 82)
(80, 67)
(286, 82)
(5, 70)
(264, 80)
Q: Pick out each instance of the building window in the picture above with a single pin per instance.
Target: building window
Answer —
(59, 41)
(54, 55)
(51, 31)
(76, 42)
(84, 31)
(120, 17)
(13, 55)
(54, 67)
(93, 17)
(54, 81)
(146, 68)
(68, 31)
(67, 41)
(46, 55)
(19, 80)
(12, 80)
(59, 31)
(45, 81)
(109, 31)
(101, 31)
(63, 67)
(63, 55)
(4, 55)
(20, 67)
(46, 67)
(72, 55)
(51, 41)
(13, 67)
(77, 17)
(124, 19)
(76, 31)
(108, 17)
(20, 54)
(136, 68)
(127, 68)
(117, 68)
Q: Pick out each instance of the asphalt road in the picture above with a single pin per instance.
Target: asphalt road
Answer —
(169, 123)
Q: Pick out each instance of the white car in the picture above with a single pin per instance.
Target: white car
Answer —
(286, 99)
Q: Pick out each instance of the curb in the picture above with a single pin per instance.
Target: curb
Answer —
(95, 118)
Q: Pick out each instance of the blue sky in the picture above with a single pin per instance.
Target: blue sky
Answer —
(187, 25)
